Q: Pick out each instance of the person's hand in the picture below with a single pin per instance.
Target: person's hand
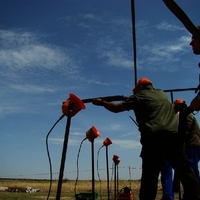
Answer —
(195, 103)
(97, 102)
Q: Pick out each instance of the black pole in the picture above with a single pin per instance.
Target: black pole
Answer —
(117, 179)
(115, 183)
(107, 167)
(93, 179)
(181, 135)
(134, 39)
(183, 113)
(62, 165)
(171, 94)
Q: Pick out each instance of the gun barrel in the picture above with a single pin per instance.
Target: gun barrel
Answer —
(107, 98)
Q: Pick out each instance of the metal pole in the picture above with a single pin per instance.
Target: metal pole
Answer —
(115, 186)
(117, 179)
(107, 167)
(134, 39)
(93, 179)
(171, 94)
(62, 165)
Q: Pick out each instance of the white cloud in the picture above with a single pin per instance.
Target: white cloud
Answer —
(24, 50)
(59, 141)
(98, 82)
(88, 16)
(8, 109)
(114, 55)
(127, 144)
(168, 27)
(31, 88)
(114, 127)
(76, 133)
(160, 56)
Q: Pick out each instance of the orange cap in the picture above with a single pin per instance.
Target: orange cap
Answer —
(178, 101)
(142, 81)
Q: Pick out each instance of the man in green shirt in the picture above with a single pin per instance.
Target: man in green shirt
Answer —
(158, 125)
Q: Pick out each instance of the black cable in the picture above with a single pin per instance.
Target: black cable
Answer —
(98, 171)
(77, 165)
(48, 154)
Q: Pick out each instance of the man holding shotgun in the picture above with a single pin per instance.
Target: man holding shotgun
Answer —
(158, 125)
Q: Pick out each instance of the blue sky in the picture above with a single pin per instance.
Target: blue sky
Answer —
(49, 49)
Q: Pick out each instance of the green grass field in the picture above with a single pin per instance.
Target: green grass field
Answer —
(68, 189)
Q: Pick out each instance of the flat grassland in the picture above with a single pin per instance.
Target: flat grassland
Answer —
(68, 189)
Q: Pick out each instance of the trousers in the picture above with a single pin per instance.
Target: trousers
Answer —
(167, 181)
(154, 151)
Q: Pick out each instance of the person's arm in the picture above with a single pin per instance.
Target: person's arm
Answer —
(195, 103)
(112, 107)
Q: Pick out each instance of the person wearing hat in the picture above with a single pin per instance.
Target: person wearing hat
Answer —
(192, 145)
(192, 137)
(158, 126)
